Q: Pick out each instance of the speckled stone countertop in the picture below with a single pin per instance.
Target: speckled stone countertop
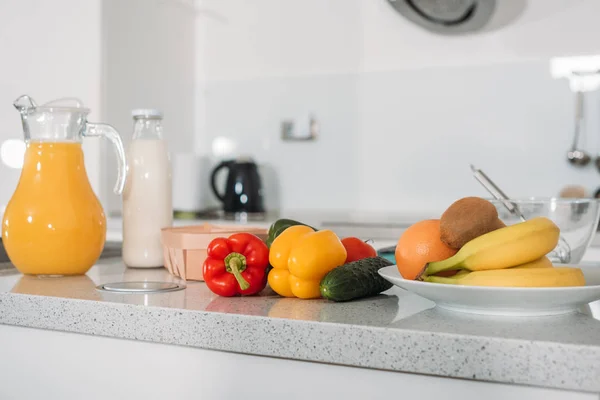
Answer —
(397, 331)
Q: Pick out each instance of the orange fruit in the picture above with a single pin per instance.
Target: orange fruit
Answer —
(418, 245)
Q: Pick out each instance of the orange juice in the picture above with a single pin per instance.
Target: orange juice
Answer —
(54, 223)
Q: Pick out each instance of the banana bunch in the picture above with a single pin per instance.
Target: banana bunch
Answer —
(511, 256)
(516, 277)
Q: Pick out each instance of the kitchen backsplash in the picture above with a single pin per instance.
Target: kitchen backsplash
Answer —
(402, 141)
(402, 112)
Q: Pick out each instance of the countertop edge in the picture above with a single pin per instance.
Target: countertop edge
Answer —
(542, 364)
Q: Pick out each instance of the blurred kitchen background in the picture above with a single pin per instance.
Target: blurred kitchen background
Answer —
(398, 111)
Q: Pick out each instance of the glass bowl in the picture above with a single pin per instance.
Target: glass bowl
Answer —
(576, 218)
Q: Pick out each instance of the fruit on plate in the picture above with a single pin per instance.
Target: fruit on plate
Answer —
(279, 226)
(357, 249)
(516, 277)
(466, 219)
(543, 262)
(355, 280)
(419, 245)
(300, 258)
(503, 248)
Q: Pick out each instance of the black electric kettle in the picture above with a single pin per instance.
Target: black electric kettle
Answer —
(243, 188)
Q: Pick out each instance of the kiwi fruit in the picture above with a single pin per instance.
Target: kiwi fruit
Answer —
(466, 219)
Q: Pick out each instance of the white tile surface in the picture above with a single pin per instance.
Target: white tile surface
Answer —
(403, 112)
(403, 141)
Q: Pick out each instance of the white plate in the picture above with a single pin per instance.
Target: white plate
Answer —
(503, 300)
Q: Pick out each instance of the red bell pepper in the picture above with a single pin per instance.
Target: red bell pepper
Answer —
(236, 265)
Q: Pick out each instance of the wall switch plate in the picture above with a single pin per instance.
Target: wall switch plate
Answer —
(306, 130)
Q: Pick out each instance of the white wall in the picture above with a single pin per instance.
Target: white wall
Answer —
(149, 62)
(49, 49)
(265, 38)
(403, 111)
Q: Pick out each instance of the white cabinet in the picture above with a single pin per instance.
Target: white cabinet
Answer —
(56, 365)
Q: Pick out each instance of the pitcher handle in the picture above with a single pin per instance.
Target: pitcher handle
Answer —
(107, 131)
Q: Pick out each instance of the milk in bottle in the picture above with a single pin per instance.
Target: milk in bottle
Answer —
(147, 196)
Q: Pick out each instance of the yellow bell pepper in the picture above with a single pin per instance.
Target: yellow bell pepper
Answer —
(300, 258)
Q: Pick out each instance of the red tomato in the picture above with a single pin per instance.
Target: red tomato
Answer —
(357, 249)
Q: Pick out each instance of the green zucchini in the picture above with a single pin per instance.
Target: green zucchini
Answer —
(279, 226)
(355, 280)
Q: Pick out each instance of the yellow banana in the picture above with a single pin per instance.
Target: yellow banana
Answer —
(503, 248)
(516, 277)
(543, 262)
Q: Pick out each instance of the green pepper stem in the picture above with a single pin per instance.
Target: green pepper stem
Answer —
(235, 263)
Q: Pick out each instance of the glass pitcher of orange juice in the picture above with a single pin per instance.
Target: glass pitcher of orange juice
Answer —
(54, 223)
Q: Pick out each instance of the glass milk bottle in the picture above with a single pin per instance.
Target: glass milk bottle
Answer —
(147, 200)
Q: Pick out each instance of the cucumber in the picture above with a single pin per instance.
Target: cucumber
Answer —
(279, 226)
(355, 280)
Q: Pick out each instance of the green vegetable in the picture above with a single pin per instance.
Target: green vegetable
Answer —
(279, 226)
(355, 280)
